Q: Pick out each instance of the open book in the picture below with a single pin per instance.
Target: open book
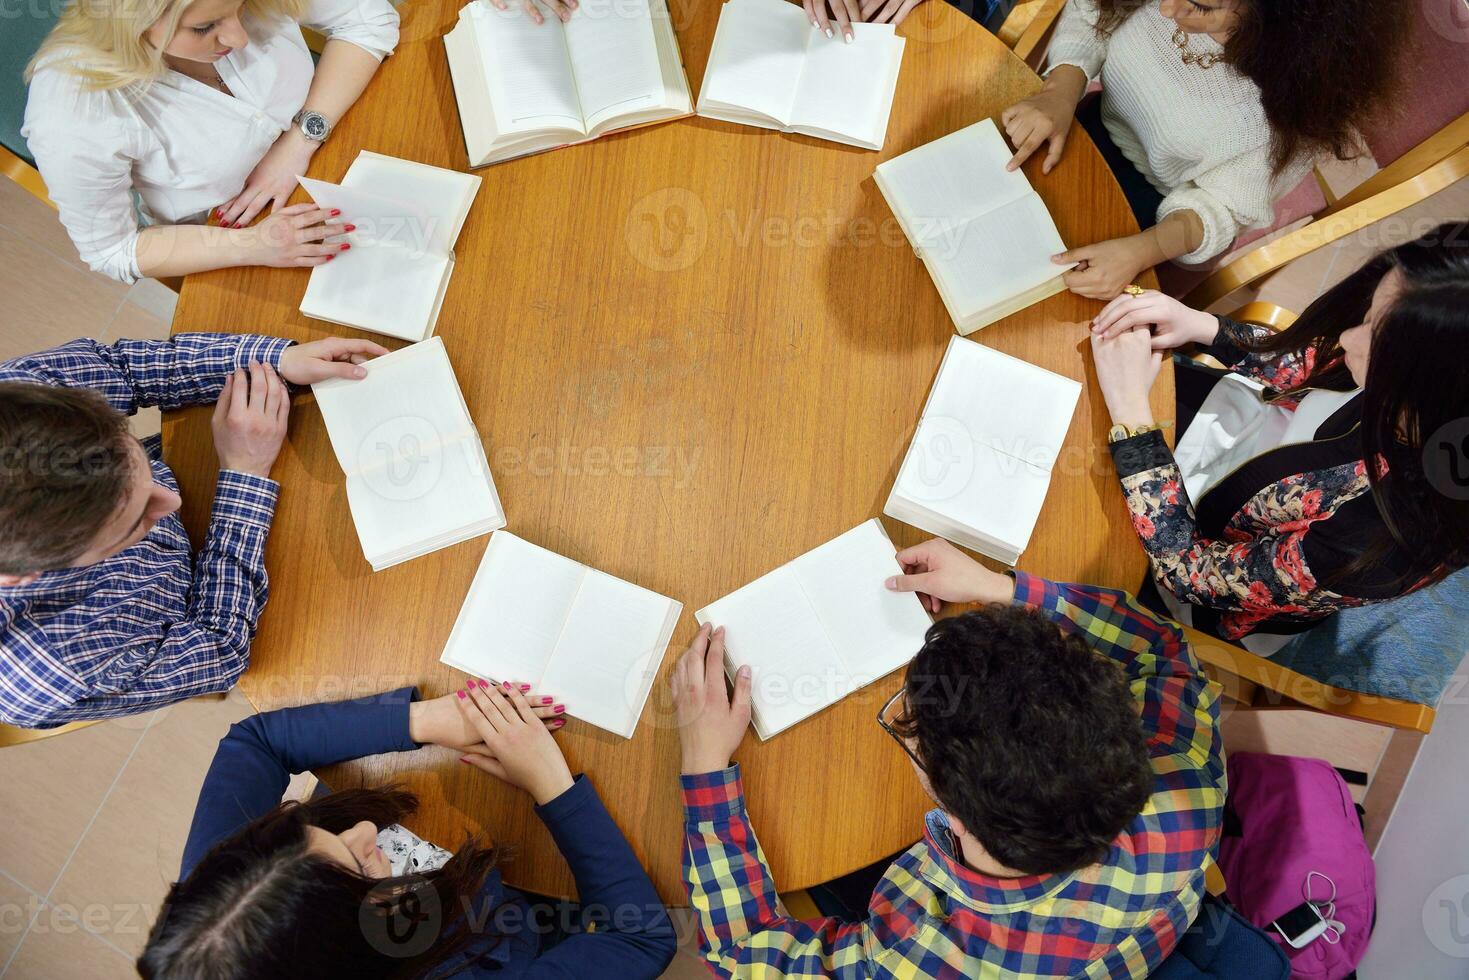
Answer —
(417, 479)
(770, 67)
(985, 236)
(594, 641)
(524, 87)
(819, 627)
(393, 279)
(980, 463)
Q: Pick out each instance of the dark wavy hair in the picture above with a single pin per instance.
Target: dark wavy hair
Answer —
(1027, 735)
(1415, 395)
(1323, 67)
(260, 906)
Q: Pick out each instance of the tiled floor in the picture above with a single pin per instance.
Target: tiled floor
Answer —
(95, 819)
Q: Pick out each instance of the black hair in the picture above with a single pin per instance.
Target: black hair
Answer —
(1028, 736)
(260, 905)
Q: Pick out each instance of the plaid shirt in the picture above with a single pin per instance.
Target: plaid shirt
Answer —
(153, 623)
(933, 917)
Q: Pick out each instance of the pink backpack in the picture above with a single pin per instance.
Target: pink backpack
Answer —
(1292, 835)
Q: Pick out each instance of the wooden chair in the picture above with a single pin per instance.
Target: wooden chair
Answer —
(11, 735)
(25, 175)
(1028, 28)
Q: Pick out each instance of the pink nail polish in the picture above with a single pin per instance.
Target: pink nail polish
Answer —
(558, 722)
(525, 687)
(505, 685)
(559, 708)
(484, 684)
(547, 700)
(464, 760)
(461, 695)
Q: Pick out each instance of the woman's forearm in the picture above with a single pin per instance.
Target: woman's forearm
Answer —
(1066, 81)
(181, 250)
(1179, 233)
(341, 75)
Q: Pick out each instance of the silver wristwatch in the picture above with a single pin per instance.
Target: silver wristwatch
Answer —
(313, 125)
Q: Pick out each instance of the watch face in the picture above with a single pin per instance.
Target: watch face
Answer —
(314, 125)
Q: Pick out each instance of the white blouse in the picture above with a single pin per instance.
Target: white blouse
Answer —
(1199, 135)
(172, 150)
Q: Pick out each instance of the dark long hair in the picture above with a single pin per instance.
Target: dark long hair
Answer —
(1323, 67)
(1416, 389)
(260, 906)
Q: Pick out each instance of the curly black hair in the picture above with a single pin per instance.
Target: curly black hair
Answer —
(1323, 67)
(1027, 735)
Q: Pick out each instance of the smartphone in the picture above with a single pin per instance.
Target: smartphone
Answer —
(1300, 925)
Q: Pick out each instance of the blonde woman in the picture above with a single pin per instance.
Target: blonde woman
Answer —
(146, 115)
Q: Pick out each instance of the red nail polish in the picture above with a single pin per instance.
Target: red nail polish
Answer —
(330, 257)
(345, 246)
(461, 695)
(335, 212)
(349, 227)
(560, 708)
(464, 760)
(546, 700)
(525, 687)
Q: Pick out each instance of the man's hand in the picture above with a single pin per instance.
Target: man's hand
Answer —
(250, 419)
(1127, 365)
(334, 357)
(710, 727)
(940, 572)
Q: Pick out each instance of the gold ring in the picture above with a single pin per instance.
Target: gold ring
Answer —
(1133, 289)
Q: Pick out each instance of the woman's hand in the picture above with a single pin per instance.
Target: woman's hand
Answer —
(560, 9)
(847, 12)
(1045, 117)
(438, 721)
(887, 11)
(1105, 268)
(1127, 365)
(334, 357)
(1172, 323)
(518, 745)
(273, 180)
(940, 572)
(293, 236)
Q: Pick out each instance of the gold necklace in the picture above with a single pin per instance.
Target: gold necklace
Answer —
(1205, 60)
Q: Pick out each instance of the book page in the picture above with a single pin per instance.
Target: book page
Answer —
(997, 495)
(531, 83)
(515, 611)
(613, 59)
(941, 185)
(846, 88)
(772, 626)
(384, 214)
(995, 256)
(758, 54)
(875, 631)
(440, 197)
(611, 648)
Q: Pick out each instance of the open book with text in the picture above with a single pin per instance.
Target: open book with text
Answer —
(984, 234)
(407, 216)
(819, 627)
(980, 462)
(770, 67)
(524, 87)
(417, 478)
(591, 640)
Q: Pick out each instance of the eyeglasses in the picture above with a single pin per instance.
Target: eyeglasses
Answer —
(885, 716)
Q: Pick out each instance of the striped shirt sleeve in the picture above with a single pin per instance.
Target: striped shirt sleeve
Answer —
(744, 931)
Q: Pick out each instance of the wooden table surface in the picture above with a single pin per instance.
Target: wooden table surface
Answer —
(693, 351)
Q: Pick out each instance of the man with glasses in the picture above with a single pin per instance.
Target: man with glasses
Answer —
(1070, 740)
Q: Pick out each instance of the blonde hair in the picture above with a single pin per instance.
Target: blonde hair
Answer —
(102, 40)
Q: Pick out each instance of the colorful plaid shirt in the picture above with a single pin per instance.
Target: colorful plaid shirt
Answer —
(933, 917)
(153, 623)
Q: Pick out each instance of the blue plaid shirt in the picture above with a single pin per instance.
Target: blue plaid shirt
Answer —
(154, 623)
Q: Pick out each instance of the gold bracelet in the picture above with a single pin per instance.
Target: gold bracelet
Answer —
(1119, 431)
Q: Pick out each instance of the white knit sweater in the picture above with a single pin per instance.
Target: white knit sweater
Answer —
(1198, 134)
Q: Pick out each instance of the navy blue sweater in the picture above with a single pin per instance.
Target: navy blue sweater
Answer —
(255, 761)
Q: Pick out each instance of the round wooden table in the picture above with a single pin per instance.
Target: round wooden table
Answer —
(693, 351)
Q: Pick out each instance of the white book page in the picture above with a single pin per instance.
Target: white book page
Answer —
(613, 58)
(440, 197)
(998, 255)
(385, 216)
(875, 631)
(757, 58)
(982, 396)
(609, 651)
(515, 611)
(771, 626)
(996, 495)
(941, 185)
(391, 291)
(845, 88)
(531, 83)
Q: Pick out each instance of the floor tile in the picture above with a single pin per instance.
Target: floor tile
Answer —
(153, 297)
(47, 300)
(17, 905)
(50, 791)
(1343, 175)
(133, 322)
(687, 964)
(58, 948)
(131, 854)
(36, 222)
